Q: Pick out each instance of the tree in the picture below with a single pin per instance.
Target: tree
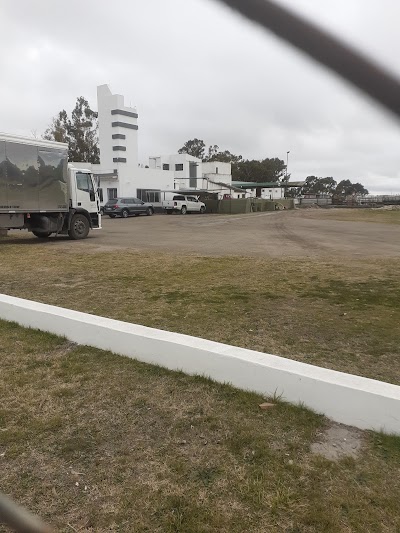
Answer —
(226, 157)
(212, 152)
(79, 131)
(347, 188)
(314, 185)
(194, 147)
(329, 185)
(197, 148)
(58, 130)
(264, 170)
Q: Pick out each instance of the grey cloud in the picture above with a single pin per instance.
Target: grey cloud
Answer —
(193, 68)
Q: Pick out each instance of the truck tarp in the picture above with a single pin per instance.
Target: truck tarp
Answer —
(33, 178)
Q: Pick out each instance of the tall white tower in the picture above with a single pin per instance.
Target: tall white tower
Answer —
(118, 137)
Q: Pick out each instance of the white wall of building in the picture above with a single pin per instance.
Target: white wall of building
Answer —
(219, 178)
(273, 194)
(216, 173)
(118, 136)
(145, 179)
(276, 193)
(179, 164)
(222, 188)
(218, 168)
(109, 189)
(118, 143)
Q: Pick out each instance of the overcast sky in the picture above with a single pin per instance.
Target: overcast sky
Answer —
(195, 69)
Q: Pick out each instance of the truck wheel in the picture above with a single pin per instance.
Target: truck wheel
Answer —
(41, 234)
(183, 210)
(79, 228)
(169, 212)
(149, 211)
(202, 209)
(125, 213)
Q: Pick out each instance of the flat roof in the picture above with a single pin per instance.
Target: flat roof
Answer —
(295, 184)
(255, 184)
(32, 141)
(266, 184)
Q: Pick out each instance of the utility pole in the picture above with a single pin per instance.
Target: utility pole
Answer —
(287, 163)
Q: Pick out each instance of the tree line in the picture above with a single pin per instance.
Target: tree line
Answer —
(79, 130)
(314, 185)
(268, 170)
(257, 170)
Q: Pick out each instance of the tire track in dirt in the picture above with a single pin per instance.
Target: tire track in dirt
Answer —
(280, 225)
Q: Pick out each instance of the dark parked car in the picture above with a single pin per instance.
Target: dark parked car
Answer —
(125, 207)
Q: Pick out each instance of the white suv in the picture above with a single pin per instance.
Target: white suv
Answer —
(184, 204)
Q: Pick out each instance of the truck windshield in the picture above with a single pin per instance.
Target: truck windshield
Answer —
(84, 183)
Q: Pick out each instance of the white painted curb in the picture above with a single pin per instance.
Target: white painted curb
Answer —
(353, 400)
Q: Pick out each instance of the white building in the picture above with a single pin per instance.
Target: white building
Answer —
(187, 169)
(120, 174)
(217, 176)
(193, 175)
(266, 190)
(218, 171)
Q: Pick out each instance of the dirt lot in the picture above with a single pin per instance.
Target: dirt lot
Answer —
(285, 234)
(331, 304)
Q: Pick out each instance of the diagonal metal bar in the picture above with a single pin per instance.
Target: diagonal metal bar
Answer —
(19, 519)
(325, 48)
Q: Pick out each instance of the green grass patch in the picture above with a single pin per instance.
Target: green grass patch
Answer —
(338, 314)
(377, 216)
(111, 444)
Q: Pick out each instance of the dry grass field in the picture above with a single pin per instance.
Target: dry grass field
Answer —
(92, 441)
(95, 442)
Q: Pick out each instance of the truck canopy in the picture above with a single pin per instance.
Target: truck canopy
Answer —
(33, 175)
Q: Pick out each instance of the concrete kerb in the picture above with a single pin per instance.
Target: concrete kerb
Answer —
(348, 399)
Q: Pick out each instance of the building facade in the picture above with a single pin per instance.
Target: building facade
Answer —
(266, 190)
(119, 173)
(187, 170)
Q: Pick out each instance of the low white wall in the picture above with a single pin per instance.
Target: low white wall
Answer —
(151, 178)
(223, 168)
(352, 400)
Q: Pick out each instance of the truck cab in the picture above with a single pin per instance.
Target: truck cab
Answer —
(83, 194)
